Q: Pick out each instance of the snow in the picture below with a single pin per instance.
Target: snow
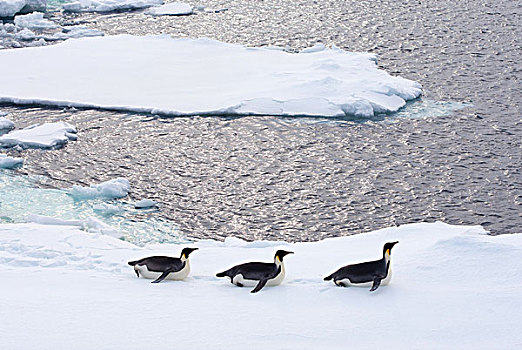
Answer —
(49, 135)
(7, 162)
(108, 5)
(171, 9)
(145, 203)
(5, 124)
(9, 8)
(115, 188)
(452, 287)
(160, 74)
(34, 21)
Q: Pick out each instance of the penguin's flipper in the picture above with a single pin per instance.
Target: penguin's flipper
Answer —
(259, 286)
(376, 283)
(162, 277)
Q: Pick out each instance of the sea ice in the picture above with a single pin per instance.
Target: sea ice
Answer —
(145, 203)
(160, 74)
(108, 209)
(5, 124)
(33, 21)
(49, 135)
(170, 9)
(7, 162)
(115, 188)
(9, 8)
(108, 5)
(453, 287)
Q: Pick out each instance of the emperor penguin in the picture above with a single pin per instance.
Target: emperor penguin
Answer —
(161, 267)
(372, 273)
(258, 273)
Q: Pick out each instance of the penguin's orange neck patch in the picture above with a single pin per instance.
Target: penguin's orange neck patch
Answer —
(388, 251)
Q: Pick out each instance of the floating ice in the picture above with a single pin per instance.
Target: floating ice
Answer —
(171, 9)
(109, 5)
(20, 198)
(73, 32)
(108, 209)
(33, 21)
(48, 135)
(9, 8)
(7, 162)
(159, 74)
(5, 124)
(115, 188)
(145, 203)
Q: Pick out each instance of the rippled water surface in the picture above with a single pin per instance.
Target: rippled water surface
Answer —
(306, 179)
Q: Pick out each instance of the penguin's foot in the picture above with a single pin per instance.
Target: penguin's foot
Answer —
(239, 284)
(137, 273)
(340, 284)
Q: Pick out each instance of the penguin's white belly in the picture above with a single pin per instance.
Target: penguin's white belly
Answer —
(145, 273)
(252, 283)
(384, 282)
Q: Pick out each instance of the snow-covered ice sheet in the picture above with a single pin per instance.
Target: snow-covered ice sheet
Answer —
(7, 162)
(108, 5)
(9, 8)
(171, 9)
(115, 188)
(49, 135)
(453, 287)
(160, 74)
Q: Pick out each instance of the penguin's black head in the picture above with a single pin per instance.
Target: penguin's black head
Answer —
(186, 252)
(388, 247)
(280, 254)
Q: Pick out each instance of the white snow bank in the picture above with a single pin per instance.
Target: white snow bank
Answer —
(7, 162)
(47, 135)
(9, 8)
(108, 209)
(171, 9)
(34, 21)
(452, 288)
(6, 124)
(109, 5)
(159, 74)
(115, 188)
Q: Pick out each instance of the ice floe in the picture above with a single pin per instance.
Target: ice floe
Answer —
(115, 188)
(109, 5)
(35, 30)
(171, 9)
(145, 203)
(34, 20)
(9, 8)
(452, 287)
(160, 74)
(7, 162)
(5, 124)
(49, 135)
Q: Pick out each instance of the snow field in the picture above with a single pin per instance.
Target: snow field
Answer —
(452, 287)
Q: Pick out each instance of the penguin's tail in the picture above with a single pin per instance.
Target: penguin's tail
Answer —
(222, 274)
(327, 278)
(132, 263)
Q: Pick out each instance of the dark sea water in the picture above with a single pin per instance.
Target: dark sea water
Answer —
(302, 179)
